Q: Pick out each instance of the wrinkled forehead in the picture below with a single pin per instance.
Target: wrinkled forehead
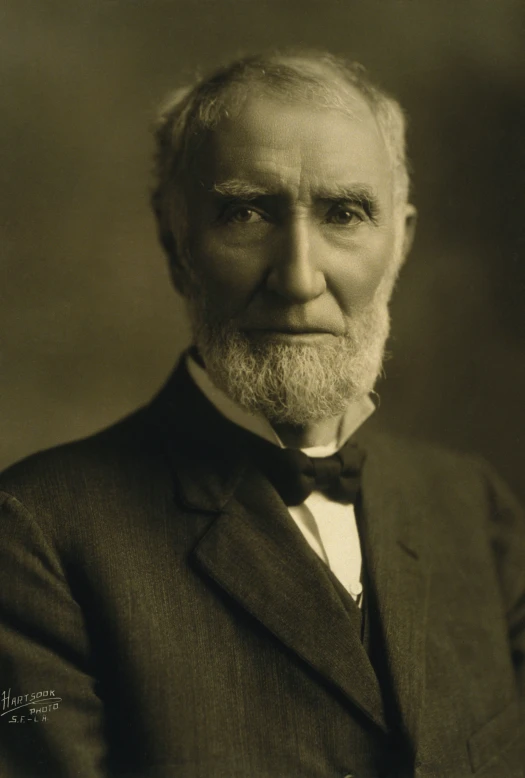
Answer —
(294, 140)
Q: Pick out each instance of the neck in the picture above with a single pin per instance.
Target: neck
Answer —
(318, 433)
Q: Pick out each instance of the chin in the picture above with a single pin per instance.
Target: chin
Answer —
(292, 381)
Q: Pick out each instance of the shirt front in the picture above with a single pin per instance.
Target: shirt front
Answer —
(329, 527)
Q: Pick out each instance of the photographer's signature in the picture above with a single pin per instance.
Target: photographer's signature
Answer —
(33, 706)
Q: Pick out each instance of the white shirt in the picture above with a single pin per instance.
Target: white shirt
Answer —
(329, 527)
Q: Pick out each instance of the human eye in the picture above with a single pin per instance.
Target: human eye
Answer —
(241, 214)
(345, 214)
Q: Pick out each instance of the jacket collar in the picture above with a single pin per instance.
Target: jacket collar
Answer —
(205, 449)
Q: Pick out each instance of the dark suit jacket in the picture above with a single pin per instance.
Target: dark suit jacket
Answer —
(152, 579)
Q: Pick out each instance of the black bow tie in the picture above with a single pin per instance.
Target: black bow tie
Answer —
(295, 475)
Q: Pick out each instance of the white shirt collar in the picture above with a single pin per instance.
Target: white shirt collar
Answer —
(356, 413)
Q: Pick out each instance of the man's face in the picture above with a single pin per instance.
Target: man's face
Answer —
(294, 238)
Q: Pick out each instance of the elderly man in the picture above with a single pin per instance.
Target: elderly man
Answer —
(240, 580)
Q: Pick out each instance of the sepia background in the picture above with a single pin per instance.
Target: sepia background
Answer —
(89, 326)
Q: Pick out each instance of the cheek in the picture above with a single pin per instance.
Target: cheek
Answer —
(358, 274)
(230, 274)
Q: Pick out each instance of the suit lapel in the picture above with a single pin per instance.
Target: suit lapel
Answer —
(254, 551)
(393, 531)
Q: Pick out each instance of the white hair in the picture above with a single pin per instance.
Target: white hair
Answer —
(190, 112)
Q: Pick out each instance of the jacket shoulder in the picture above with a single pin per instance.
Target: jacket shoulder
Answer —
(122, 448)
(427, 469)
(418, 454)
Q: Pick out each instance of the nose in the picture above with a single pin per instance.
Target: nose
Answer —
(295, 273)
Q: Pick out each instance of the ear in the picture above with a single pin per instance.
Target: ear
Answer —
(410, 221)
(179, 274)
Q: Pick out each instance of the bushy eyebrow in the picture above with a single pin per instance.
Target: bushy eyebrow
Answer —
(242, 190)
(357, 194)
(340, 192)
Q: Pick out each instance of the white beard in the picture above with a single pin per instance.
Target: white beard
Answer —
(287, 383)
